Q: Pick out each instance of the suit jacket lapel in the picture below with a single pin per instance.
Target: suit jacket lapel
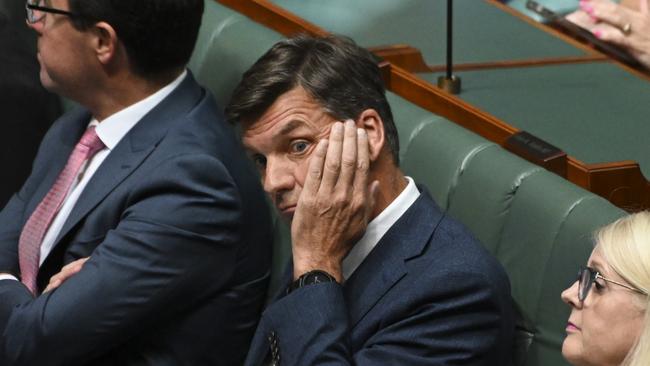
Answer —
(134, 148)
(386, 263)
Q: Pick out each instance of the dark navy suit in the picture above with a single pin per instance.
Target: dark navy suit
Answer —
(178, 233)
(428, 294)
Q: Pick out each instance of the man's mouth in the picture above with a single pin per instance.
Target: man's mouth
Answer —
(287, 210)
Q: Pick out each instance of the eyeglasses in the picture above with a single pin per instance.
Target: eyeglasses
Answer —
(587, 276)
(36, 11)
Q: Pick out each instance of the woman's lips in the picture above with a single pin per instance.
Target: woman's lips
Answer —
(572, 327)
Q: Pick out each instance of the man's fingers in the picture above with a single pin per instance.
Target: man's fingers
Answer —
(66, 272)
(52, 285)
(332, 167)
(315, 169)
(348, 156)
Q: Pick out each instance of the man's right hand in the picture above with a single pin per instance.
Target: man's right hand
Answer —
(336, 202)
(66, 272)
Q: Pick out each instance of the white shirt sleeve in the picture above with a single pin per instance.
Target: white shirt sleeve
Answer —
(7, 277)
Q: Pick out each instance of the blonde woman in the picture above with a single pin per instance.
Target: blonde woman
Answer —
(609, 301)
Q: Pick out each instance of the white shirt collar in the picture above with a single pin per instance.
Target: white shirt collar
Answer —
(112, 129)
(378, 227)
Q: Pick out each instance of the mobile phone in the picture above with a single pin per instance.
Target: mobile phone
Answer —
(581, 33)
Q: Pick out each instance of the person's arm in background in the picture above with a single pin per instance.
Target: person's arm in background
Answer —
(626, 24)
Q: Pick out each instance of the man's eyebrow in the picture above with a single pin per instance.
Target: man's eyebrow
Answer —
(292, 125)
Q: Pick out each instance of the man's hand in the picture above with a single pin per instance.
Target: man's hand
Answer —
(66, 272)
(336, 202)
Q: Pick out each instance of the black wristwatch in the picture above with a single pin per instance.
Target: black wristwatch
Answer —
(311, 278)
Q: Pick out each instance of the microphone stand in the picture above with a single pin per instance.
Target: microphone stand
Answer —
(450, 82)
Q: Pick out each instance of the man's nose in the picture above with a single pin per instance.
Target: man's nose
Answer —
(278, 176)
(37, 27)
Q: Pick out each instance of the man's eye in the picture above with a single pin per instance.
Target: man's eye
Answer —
(260, 161)
(299, 146)
(599, 286)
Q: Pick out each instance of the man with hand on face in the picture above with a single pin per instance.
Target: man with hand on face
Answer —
(150, 182)
(379, 275)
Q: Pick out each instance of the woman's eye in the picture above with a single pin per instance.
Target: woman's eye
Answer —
(599, 286)
(299, 146)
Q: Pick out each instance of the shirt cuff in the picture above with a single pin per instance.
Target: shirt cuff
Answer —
(7, 277)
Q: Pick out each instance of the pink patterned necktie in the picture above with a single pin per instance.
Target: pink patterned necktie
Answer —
(31, 238)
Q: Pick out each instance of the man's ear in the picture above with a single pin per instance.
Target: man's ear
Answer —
(105, 42)
(371, 121)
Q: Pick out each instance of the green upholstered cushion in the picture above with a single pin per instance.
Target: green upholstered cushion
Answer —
(215, 17)
(409, 119)
(485, 190)
(232, 48)
(437, 154)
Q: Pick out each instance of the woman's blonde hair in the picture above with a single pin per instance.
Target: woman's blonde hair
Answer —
(625, 245)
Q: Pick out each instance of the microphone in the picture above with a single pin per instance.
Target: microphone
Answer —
(450, 82)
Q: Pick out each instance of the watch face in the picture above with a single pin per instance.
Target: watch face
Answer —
(317, 276)
(310, 278)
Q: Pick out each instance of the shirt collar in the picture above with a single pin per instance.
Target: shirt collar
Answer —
(114, 128)
(379, 226)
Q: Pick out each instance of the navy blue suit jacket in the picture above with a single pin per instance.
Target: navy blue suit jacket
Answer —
(178, 232)
(428, 294)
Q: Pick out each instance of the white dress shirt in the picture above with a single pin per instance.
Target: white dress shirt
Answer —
(110, 131)
(378, 227)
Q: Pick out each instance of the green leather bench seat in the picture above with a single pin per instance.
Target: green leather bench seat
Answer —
(437, 156)
(482, 32)
(215, 18)
(409, 120)
(229, 44)
(484, 193)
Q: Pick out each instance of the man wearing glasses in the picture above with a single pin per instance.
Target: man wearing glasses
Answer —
(148, 181)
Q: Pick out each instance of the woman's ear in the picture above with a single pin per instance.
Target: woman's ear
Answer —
(105, 42)
(371, 121)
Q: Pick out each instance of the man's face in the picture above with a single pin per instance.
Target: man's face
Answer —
(63, 52)
(281, 142)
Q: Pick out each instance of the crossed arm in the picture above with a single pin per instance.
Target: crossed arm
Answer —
(160, 252)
